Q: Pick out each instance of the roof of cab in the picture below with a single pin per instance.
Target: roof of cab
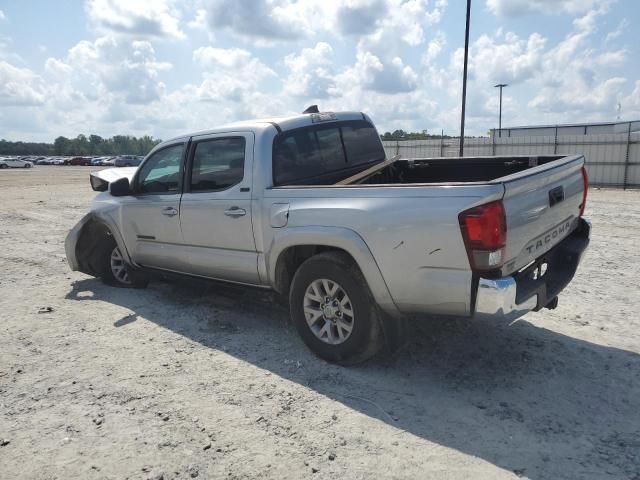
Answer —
(279, 123)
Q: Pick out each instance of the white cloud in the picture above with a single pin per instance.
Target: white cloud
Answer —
(584, 101)
(389, 58)
(2, 16)
(276, 21)
(360, 17)
(390, 77)
(57, 68)
(231, 77)
(620, 29)
(253, 19)
(631, 103)
(611, 59)
(311, 72)
(126, 68)
(512, 8)
(434, 48)
(506, 58)
(20, 86)
(199, 22)
(232, 61)
(141, 18)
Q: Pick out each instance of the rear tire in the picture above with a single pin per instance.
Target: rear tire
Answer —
(333, 309)
(4, 165)
(115, 271)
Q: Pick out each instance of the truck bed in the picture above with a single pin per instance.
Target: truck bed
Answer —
(407, 213)
(452, 170)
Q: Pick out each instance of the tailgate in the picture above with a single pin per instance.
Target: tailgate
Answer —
(542, 207)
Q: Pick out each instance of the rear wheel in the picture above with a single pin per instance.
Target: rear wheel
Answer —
(4, 165)
(116, 272)
(333, 310)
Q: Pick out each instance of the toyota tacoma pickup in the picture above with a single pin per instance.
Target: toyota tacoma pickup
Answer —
(310, 207)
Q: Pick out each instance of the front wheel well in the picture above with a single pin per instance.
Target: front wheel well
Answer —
(290, 260)
(93, 238)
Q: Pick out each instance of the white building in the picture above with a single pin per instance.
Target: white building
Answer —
(569, 129)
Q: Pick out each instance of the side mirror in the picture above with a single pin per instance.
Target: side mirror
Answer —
(120, 187)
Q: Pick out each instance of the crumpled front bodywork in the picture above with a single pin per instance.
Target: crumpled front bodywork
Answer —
(83, 242)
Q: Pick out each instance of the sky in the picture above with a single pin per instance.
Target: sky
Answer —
(168, 67)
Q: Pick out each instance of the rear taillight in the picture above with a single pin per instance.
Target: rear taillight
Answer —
(585, 185)
(484, 230)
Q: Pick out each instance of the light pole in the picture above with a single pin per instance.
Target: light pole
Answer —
(500, 86)
(464, 77)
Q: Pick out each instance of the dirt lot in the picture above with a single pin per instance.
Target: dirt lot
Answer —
(188, 379)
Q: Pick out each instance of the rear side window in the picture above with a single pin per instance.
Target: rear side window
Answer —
(362, 143)
(305, 153)
(217, 164)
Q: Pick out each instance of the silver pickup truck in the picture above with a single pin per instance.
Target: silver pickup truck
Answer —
(310, 207)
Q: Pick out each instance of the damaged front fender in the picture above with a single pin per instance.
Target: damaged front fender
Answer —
(84, 242)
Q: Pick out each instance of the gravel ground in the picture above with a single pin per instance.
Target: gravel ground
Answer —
(191, 379)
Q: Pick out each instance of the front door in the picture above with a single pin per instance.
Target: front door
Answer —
(151, 216)
(215, 211)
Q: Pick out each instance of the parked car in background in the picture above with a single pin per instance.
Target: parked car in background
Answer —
(128, 161)
(14, 163)
(78, 161)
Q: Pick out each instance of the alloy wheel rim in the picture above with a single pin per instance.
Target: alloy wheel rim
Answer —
(328, 311)
(118, 267)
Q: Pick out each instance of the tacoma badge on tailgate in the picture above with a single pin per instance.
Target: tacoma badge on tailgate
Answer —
(551, 237)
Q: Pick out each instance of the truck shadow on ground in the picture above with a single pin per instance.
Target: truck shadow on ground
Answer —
(526, 399)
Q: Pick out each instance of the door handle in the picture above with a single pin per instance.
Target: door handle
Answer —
(235, 212)
(169, 211)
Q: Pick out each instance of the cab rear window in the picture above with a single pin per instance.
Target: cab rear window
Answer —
(319, 153)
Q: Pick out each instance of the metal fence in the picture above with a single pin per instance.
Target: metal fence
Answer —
(613, 160)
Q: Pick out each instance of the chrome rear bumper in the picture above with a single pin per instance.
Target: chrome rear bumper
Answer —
(497, 299)
(513, 296)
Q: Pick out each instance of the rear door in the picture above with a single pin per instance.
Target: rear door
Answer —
(542, 207)
(215, 211)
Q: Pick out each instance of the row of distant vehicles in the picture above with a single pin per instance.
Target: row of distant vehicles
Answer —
(108, 161)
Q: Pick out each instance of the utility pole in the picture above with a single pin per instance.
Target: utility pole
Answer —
(500, 86)
(464, 77)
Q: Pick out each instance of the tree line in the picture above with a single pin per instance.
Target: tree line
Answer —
(402, 135)
(83, 145)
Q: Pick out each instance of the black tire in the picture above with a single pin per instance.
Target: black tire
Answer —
(136, 279)
(365, 339)
(4, 165)
(27, 165)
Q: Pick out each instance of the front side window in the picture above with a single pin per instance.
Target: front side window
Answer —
(218, 164)
(161, 173)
